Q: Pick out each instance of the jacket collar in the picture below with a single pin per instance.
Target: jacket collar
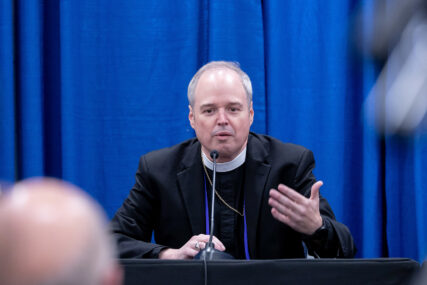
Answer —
(257, 171)
(190, 184)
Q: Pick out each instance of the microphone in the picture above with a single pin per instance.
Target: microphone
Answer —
(209, 252)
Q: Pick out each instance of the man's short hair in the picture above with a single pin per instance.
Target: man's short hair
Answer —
(235, 66)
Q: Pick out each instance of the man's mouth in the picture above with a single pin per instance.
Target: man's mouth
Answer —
(223, 134)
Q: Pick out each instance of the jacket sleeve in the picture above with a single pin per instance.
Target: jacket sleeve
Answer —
(133, 223)
(336, 239)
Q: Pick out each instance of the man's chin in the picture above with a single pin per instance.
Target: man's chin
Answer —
(225, 154)
(226, 150)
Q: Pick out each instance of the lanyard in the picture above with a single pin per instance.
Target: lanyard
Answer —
(245, 234)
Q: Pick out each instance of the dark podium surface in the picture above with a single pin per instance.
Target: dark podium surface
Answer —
(382, 271)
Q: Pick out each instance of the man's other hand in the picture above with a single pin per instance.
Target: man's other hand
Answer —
(191, 248)
(293, 209)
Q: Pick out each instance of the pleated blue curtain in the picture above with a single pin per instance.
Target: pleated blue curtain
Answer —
(125, 69)
(89, 86)
(405, 184)
(316, 84)
(7, 91)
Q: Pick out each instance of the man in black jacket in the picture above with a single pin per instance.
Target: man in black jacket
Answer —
(268, 203)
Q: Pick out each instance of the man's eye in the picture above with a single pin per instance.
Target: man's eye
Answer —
(208, 111)
(234, 109)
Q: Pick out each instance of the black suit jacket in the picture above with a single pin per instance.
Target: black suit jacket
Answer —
(168, 197)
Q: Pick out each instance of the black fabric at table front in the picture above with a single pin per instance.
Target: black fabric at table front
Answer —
(392, 271)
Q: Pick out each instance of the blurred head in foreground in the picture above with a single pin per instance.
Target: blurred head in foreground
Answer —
(52, 233)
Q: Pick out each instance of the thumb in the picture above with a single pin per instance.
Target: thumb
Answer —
(315, 190)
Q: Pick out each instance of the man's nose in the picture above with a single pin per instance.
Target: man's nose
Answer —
(222, 117)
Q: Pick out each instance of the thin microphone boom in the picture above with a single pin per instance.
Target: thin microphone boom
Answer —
(209, 252)
(214, 156)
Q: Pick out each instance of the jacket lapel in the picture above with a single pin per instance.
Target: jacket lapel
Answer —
(190, 184)
(257, 171)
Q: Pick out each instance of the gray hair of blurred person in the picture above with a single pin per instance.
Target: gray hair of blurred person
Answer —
(92, 261)
(246, 82)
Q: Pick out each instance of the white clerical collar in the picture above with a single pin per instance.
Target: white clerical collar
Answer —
(225, 166)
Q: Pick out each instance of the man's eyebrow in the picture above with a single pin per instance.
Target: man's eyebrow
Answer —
(210, 105)
(207, 105)
(236, 103)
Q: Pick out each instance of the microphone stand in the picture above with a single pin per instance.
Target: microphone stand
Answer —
(209, 252)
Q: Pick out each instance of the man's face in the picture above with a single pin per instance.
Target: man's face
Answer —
(220, 114)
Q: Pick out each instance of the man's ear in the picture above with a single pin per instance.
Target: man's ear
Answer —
(251, 113)
(191, 116)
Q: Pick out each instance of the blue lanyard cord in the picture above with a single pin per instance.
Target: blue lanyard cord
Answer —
(206, 208)
(245, 234)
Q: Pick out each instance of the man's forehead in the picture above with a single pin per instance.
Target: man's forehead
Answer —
(218, 79)
(219, 73)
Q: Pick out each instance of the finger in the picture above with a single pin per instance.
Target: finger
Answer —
(290, 213)
(284, 201)
(276, 195)
(288, 221)
(195, 242)
(315, 189)
(291, 193)
(218, 244)
(282, 218)
(202, 237)
(199, 245)
(190, 252)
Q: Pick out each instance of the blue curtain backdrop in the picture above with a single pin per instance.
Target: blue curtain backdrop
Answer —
(89, 86)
